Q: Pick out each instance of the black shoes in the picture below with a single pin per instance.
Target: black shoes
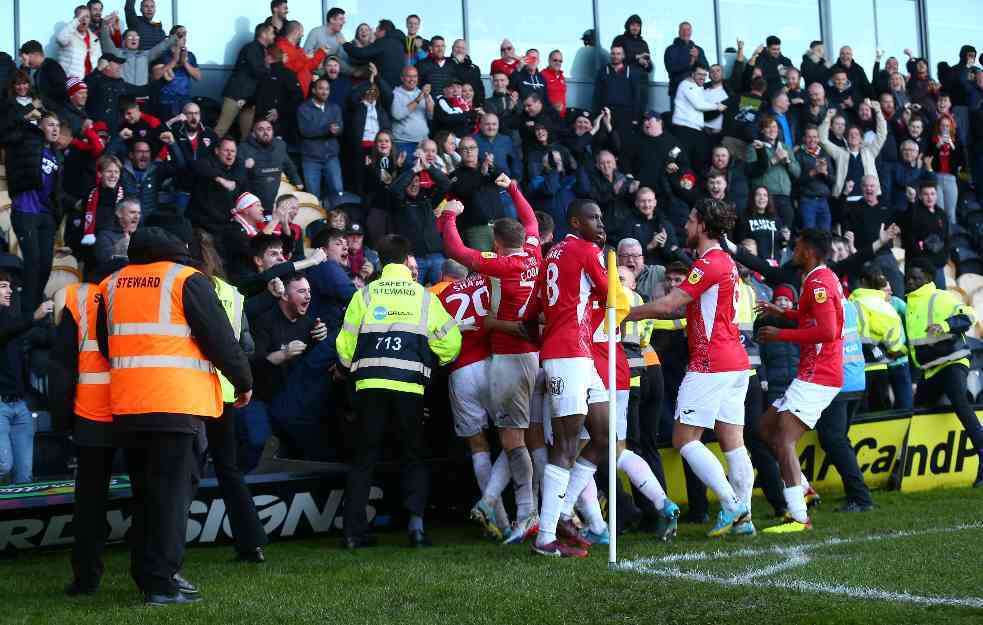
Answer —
(76, 588)
(256, 556)
(178, 598)
(184, 586)
(359, 542)
(855, 506)
(419, 539)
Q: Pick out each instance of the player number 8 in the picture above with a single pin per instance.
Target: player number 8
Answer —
(552, 288)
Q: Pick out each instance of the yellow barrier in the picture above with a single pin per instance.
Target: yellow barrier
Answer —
(939, 454)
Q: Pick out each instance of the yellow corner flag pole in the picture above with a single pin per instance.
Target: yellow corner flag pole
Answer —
(614, 289)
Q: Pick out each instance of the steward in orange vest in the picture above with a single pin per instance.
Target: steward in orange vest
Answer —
(165, 335)
(78, 388)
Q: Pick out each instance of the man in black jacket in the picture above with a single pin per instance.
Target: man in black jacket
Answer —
(151, 32)
(681, 57)
(660, 163)
(413, 210)
(436, 70)
(772, 63)
(159, 445)
(854, 73)
(193, 139)
(48, 77)
(219, 180)
(474, 184)
(277, 97)
(466, 71)
(387, 52)
(266, 160)
(238, 98)
(34, 175)
(106, 89)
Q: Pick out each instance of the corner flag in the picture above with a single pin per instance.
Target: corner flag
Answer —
(617, 309)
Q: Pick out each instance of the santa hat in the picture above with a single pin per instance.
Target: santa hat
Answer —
(784, 290)
(74, 84)
(244, 201)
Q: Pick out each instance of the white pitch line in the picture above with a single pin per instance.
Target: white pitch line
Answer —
(853, 592)
(794, 560)
(797, 556)
(779, 550)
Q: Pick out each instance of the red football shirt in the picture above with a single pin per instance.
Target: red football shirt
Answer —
(599, 350)
(513, 277)
(711, 318)
(574, 274)
(820, 331)
(468, 300)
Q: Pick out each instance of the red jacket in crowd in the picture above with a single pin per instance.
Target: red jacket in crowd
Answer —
(297, 61)
(556, 87)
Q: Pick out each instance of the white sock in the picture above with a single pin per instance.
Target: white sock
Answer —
(740, 472)
(500, 477)
(555, 482)
(502, 515)
(481, 461)
(706, 467)
(640, 474)
(796, 501)
(590, 507)
(582, 472)
(803, 482)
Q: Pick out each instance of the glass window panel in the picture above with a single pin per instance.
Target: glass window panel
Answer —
(952, 24)
(217, 30)
(897, 28)
(445, 19)
(851, 24)
(795, 22)
(43, 20)
(660, 30)
(541, 26)
(7, 27)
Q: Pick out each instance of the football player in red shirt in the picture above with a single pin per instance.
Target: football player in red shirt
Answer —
(820, 375)
(712, 392)
(467, 298)
(512, 270)
(574, 274)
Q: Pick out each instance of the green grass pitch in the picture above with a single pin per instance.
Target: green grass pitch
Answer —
(915, 559)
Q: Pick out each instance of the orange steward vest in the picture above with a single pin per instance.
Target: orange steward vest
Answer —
(92, 390)
(155, 364)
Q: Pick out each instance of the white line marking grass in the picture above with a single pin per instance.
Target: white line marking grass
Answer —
(796, 556)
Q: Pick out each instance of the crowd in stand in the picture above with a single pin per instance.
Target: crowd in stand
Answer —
(388, 127)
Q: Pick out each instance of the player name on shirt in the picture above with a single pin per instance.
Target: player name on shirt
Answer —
(468, 301)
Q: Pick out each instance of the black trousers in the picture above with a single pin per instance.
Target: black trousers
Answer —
(697, 145)
(877, 397)
(163, 471)
(36, 238)
(951, 382)
(375, 409)
(644, 416)
(92, 477)
(247, 531)
(832, 428)
(769, 475)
